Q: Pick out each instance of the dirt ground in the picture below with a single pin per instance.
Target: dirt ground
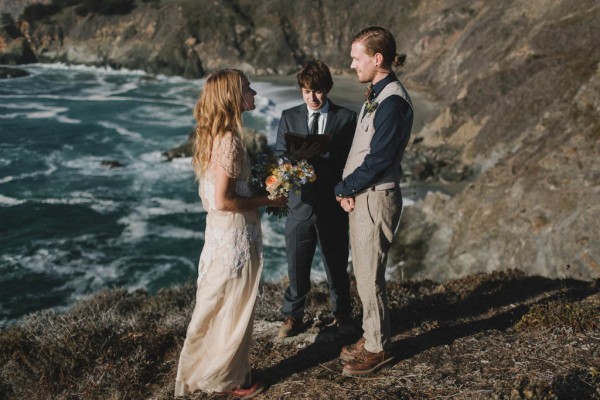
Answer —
(504, 335)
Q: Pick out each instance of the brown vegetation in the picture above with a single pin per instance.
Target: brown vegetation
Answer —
(504, 335)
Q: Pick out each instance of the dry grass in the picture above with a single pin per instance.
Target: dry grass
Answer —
(487, 336)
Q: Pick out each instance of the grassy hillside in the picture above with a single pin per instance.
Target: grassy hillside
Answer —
(502, 335)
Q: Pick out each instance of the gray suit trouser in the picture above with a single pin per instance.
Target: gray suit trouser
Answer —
(373, 223)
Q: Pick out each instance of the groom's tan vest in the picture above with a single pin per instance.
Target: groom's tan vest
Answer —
(361, 145)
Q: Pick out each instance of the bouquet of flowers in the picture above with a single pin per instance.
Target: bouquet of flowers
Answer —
(279, 176)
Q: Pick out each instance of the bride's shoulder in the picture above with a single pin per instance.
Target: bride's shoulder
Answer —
(229, 153)
(228, 140)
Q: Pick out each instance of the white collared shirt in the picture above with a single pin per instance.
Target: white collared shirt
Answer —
(322, 119)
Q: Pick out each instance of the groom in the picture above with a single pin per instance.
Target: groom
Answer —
(370, 191)
(315, 215)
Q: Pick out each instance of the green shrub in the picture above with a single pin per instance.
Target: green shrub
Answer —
(561, 314)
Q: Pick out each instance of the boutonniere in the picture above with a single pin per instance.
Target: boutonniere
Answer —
(370, 105)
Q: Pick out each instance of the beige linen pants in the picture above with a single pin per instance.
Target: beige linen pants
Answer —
(373, 223)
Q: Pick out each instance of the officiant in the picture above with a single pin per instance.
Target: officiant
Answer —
(315, 216)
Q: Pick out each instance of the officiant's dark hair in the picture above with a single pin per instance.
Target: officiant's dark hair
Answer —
(379, 40)
(315, 75)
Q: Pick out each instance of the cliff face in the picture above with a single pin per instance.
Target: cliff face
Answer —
(189, 37)
(519, 87)
(517, 84)
(15, 7)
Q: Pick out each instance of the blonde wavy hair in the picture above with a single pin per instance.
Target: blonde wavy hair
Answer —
(217, 112)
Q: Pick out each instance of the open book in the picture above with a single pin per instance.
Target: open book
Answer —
(298, 139)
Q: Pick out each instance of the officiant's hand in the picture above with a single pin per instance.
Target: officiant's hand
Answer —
(305, 152)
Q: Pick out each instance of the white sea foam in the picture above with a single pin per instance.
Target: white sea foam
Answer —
(91, 272)
(174, 232)
(161, 266)
(138, 226)
(187, 90)
(100, 275)
(83, 198)
(162, 206)
(168, 106)
(43, 261)
(9, 201)
(120, 130)
(271, 100)
(10, 178)
(144, 279)
(39, 68)
(106, 89)
(95, 97)
(92, 166)
(40, 111)
(273, 229)
(23, 106)
(155, 115)
(182, 164)
(150, 169)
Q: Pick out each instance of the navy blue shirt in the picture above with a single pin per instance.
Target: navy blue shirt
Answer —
(392, 123)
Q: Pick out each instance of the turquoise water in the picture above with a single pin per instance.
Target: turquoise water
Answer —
(70, 226)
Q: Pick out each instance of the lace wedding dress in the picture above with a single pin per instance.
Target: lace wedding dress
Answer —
(215, 354)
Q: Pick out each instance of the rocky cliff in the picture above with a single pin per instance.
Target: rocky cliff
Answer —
(14, 8)
(517, 84)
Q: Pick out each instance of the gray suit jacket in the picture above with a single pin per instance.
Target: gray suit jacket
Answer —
(318, 196)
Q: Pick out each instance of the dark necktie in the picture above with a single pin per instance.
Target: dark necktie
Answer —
(314, 129)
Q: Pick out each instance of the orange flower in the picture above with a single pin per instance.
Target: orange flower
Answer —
(271, 180)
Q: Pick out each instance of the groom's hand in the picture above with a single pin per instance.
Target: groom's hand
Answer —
(347, 203)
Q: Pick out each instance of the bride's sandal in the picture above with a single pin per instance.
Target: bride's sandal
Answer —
(245, 392)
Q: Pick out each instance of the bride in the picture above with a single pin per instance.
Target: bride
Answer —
(215, 354)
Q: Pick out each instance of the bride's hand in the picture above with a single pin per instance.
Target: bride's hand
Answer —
(280, 201)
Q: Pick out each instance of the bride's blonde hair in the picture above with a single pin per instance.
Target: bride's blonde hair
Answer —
(217, 112)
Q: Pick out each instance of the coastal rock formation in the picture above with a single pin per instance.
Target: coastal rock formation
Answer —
(14, 8)
(14, 47)
(7, 73)
(518, 85)
(254, 141)
(516, 82)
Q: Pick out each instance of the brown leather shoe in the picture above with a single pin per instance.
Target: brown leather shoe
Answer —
(349, 352)
(366, 363)
(291, 326)
(246, 392)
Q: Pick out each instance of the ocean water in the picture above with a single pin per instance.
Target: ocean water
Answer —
(69, 225)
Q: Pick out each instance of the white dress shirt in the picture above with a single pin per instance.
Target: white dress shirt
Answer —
(322, 119)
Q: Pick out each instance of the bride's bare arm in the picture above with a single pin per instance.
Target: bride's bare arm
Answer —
(227, 200)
